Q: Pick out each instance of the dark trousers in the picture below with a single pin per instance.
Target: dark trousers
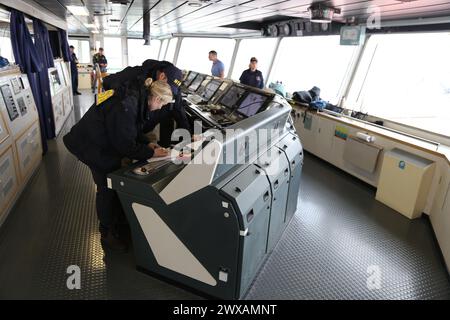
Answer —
(75, 81)
(109, 209)
(166, 127)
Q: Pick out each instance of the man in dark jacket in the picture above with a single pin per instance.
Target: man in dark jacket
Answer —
(74, 70)
(252, 76)
(106, 134)
(157, 70)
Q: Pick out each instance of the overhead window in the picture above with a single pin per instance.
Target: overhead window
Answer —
(81, 48)
(405, 78)
(138, 53)
(304, 62)
(262, 49)
(113, 53)
(194, 53)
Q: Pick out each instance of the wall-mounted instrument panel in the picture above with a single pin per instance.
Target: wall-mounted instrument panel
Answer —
(20, 137)
(61, 92)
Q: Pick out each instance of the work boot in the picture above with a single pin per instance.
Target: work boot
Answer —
(111, 241)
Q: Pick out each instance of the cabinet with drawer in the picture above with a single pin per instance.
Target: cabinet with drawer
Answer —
(29, 150)
(8, 179)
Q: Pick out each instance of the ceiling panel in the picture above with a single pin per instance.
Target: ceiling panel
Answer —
(175, 16)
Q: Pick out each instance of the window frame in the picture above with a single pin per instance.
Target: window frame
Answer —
(407, 129)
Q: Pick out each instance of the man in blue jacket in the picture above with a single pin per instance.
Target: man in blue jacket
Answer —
(252, 76)
(74, 70)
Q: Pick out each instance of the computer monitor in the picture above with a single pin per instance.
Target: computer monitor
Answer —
(196, 83)
(231, 98)
(210, 89)
(191, 76)
(251, 104)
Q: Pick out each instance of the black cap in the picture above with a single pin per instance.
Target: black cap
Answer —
(253, 59)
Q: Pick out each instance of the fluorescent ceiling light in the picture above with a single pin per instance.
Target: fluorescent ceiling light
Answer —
(94, 31)
(90, 25)
(78, 10)
(194, 4)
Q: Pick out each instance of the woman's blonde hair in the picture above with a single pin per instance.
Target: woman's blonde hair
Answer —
(159, 89)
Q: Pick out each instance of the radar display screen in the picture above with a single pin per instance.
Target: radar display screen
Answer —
(233, 95)
(190, 78)
(210, 89)
(251, 104)
(196, 83)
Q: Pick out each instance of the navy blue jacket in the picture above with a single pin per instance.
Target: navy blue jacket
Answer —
(109, 132)
(73, 63)
(254, 79)
(138, 74)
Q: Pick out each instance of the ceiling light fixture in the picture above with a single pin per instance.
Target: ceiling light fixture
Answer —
(78, 10)
(194, 4)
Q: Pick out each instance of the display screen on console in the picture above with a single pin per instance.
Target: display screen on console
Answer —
(251, 104)
(190, 78)
(196, 83)
(231, 98)
(210, 89)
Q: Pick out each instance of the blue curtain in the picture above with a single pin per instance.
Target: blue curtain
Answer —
(64, 45)
(43, 49)
(31, 63)
(42, 43)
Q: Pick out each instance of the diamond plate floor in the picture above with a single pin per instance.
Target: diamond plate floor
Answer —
(337, 233)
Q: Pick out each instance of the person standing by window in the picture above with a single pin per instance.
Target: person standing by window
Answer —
(100, 59)
(218, 68)
(252, 76)
(74, 70)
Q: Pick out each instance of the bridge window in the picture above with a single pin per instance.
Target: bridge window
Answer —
(82, 51)
(162, 52)
(304, 62)
(194, 53)
(6, 49)
(113, 53)
(170, 55)
(138, 53)
(405, 78)
(263, 49)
